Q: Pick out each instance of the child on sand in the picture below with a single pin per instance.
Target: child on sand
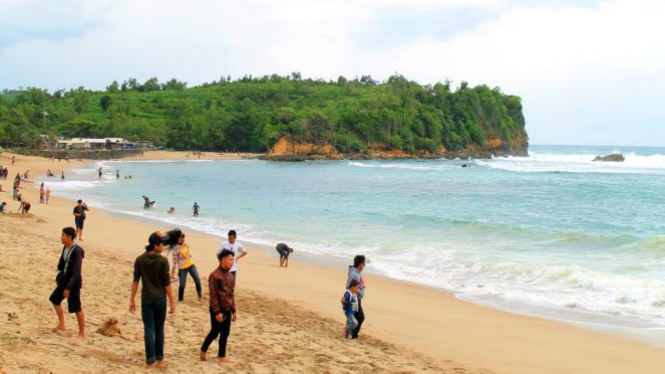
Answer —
(24, 207)
(48, 195)
(350, 306)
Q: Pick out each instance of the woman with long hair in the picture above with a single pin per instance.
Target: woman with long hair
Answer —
(182, 260)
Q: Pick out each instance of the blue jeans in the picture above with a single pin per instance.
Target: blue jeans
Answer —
(153, 313)
(182, 275)
(351, 322)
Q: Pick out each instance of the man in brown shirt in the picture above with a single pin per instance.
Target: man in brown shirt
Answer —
(222, 306)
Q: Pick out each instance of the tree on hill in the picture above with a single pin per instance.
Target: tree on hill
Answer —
(252, 113)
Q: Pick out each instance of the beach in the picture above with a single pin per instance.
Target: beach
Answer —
(290, 320)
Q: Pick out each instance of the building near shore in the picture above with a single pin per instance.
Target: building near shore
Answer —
(93, 144)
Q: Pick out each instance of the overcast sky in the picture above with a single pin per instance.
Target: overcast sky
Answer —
(589, 72)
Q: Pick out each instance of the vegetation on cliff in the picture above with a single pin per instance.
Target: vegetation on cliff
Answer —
(252, 114)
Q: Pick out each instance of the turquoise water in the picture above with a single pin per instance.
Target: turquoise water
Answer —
(553, 232)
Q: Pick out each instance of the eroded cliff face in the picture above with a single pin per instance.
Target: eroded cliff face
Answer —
(287, 150)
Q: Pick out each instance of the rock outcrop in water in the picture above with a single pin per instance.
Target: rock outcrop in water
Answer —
(615, 157)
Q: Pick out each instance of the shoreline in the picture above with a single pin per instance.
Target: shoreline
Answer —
(430, 322)
(617, 326)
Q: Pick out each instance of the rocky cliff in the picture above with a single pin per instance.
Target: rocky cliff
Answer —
(288, 150)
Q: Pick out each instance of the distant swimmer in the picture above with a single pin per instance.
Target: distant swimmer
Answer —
(196, 208)
(284, 252)
(117, 174)
(62, 175)
(147, 204)
(171, 210)
(99, 171)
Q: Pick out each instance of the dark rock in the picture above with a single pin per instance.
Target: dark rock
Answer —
(615, 157)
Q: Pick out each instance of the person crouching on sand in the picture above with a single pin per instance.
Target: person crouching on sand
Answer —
(350, 307)
(153, 269)
(222, 306)
(24, 207)
(69, 281)
(284, 252)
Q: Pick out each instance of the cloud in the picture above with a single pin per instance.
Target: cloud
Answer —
(580, 67)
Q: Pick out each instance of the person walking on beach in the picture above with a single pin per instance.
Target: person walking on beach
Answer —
(196, 208)
(99, 171)
(236, 247)
(284, 252)
(355, 274)
(153, 269)
(69, 281)
(15, 191)
(350, 307)
(222, 306)
(62, 175)
(79, 217)
(13, 160)
(182, 260)
(42, 194)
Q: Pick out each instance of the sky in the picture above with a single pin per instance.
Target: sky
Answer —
(588, 72)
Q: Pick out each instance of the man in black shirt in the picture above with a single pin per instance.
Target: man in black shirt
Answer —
(153, 269)
(79, 217)
(284, 252)
(69, 281)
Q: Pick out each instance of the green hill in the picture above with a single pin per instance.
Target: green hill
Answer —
(252, 114)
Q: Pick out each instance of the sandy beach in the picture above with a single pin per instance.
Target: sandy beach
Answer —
(290, 320)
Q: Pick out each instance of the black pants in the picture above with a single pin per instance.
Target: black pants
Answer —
(223, 329)
(360, 317)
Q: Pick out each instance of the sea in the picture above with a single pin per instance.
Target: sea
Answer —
(553, 235)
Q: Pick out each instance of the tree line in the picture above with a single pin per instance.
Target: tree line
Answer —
(250, 114)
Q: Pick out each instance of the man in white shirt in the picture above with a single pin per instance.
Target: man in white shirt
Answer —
(233, 245)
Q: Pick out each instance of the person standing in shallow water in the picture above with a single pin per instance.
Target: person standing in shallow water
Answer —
(153, 270)
(69, 281)
(196, 208)
(355, 274)
(222, 306)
